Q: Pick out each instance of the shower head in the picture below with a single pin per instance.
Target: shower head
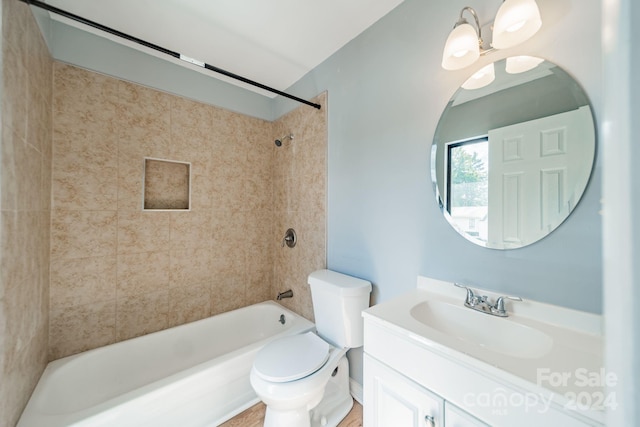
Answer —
(278, 142)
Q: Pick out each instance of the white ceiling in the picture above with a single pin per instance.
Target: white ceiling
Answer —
(274, 42)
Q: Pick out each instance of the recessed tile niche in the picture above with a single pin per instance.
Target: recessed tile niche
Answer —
(166, 184)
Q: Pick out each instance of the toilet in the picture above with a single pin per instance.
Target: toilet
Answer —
(304, 379)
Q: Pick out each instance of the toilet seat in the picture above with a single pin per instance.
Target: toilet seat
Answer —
(291, 358)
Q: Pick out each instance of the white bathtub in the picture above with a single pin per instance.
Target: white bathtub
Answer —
(191, 375)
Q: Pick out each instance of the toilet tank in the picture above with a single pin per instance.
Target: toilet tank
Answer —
(338, 301)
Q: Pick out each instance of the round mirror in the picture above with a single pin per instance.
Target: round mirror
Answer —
(513, 152)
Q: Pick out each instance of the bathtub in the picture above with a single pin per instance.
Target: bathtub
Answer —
(190, 375)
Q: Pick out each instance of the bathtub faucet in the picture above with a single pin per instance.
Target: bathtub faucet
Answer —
(285, 294)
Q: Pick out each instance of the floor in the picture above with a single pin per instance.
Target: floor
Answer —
(254, 417)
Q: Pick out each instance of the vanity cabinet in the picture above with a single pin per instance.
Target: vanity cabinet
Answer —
(411, 381)
(391, 399)
(394, 400)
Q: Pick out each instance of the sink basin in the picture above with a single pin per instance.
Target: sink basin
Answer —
(500, 335)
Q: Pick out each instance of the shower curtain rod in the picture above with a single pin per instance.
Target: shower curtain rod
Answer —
(176, 55)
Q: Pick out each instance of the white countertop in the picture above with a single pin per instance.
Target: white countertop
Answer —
(569, 365)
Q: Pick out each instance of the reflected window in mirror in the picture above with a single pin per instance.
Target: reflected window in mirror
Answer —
(467, 186)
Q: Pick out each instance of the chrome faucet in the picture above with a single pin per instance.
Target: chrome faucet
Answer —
(482, 303)
(285, 294)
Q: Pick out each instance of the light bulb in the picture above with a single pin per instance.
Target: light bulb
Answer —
(481, 78)
(461, 49)
(520, 64)
(516, 21)
(515, 27)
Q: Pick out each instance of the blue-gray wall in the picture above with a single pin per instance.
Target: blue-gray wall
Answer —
(72, 45)
(386, 92)
(621, 229)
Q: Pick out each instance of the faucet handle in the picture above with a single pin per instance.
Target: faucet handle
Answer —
(471, 299)
(499, 307)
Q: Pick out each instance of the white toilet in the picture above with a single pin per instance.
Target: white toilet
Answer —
(304, 379)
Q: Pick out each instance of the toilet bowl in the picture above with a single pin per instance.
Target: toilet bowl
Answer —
(292, 388)
(304, 379)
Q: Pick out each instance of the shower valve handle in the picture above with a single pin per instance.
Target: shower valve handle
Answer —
(290, 239)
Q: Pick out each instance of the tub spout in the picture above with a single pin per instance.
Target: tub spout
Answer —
(285, 294)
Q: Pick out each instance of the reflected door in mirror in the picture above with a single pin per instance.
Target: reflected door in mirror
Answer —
(532, 164)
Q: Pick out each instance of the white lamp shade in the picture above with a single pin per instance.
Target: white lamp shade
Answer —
(480, 78)
(520, 64)
(516, 22)
(462, 48)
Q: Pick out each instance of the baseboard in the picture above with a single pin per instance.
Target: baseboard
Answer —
(356, 390)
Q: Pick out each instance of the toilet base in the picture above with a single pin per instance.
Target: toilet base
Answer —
(334, 406)
(292, 418)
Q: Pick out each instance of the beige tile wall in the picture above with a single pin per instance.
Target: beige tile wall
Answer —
(118, 272)
(300, 186)
(25, 188)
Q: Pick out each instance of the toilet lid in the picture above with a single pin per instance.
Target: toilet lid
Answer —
(291, 358)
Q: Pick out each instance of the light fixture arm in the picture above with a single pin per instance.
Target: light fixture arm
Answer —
(462, 20)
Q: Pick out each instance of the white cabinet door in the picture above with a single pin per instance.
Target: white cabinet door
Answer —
(456, 417)
(392, 400)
